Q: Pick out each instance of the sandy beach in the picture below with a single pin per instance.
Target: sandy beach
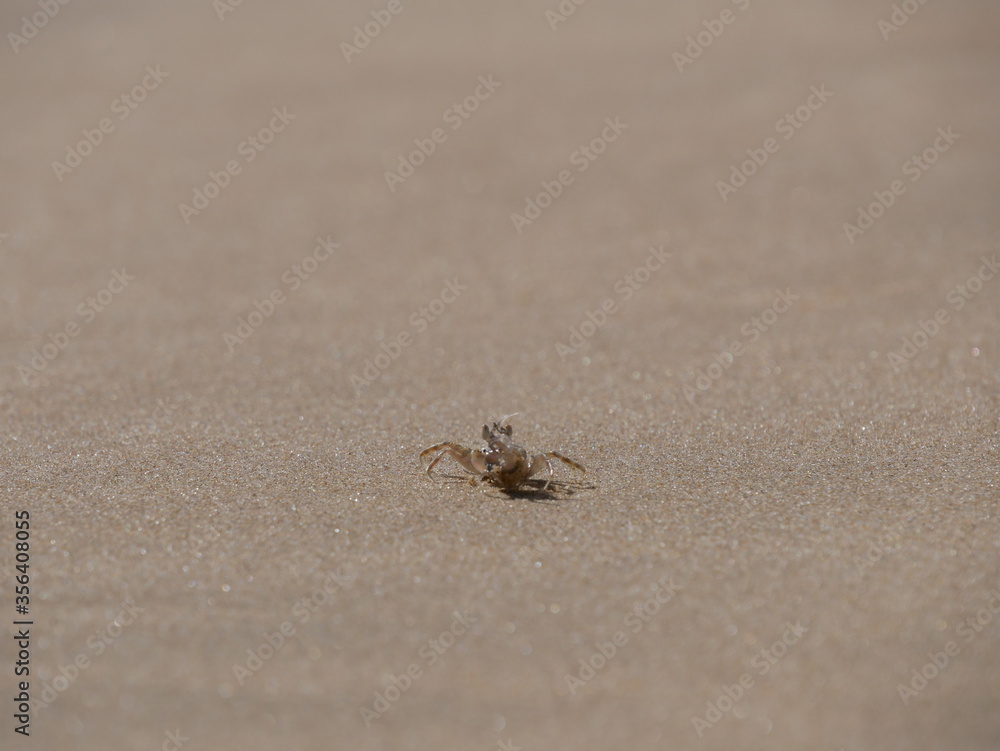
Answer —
(737, 259)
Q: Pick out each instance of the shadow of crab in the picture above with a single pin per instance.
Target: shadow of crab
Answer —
(533, 490)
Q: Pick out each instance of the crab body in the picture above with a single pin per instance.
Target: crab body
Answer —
(500, 462)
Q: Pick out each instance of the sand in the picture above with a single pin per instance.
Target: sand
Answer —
(747, 279)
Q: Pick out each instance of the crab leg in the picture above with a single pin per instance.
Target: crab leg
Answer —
(471, 460)
(538, 460)
(567, 460)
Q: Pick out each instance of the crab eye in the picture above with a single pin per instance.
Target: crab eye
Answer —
(486, 432)
(508, 429)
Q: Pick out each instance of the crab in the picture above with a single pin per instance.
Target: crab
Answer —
(501, 462)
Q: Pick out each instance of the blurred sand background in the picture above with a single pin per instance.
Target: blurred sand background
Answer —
(214, 487)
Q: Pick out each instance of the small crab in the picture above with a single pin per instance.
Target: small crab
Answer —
(501, 462)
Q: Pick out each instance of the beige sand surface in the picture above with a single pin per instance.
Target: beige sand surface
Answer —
(214, 485)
